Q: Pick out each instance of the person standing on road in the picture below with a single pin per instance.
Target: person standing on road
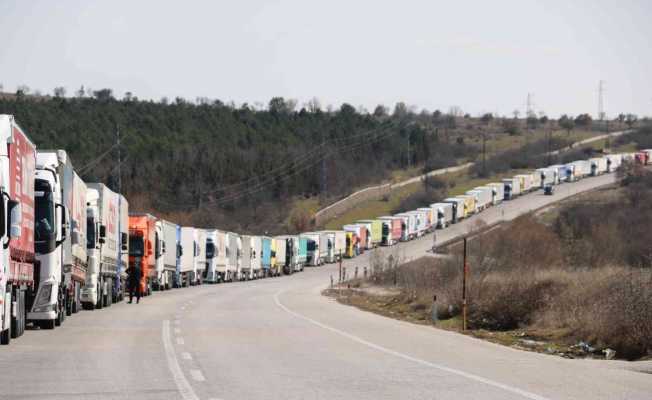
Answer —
(134, 275)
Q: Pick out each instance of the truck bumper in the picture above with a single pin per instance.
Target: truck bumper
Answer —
(42, 316)
(89, 295)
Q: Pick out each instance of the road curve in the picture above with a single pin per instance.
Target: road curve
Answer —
(280, 339)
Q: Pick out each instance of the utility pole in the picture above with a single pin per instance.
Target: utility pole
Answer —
(118, 282)
(323, 166)
(601, 113)
(484, 152)
(464, 279)
(408, 150)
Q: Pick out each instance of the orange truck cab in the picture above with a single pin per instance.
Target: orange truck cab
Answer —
(142, 239)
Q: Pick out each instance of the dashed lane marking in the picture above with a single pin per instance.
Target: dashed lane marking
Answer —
(394, 353)
(182, 384)
(197, 375)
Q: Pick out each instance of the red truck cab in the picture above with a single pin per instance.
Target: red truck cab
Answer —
(142, 233)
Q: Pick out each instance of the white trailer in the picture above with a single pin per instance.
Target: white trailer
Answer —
(316, 243)
(336, 245)
(200, 259)
(582, 169)
(162, 279)
(421, 224)
(458, 208)
(256, 256)
(246, 271)
(409, 226)
(123, 248)
(527, 182)
(103, 274)
(613, 162)
(598, 166)
(431, 218)
(443, 214)
(497, 192)
(483, 196)
(545, 176)
(224, 270)
(233, 256)
(188, 251)
(172, 253)
(511, 188)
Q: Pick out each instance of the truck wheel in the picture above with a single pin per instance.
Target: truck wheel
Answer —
(5, 336)
(16, 322)
(88, 306)
(47, 324)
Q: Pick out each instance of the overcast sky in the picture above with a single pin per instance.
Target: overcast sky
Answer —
(483, 56)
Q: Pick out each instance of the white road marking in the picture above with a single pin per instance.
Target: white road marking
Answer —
(180, 341)
(425, 363)
(197, 375)
(183, 386)
(186, 356)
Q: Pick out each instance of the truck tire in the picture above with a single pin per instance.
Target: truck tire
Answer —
(17, 322)
(100, 296)
(47, 324)
(5, 336)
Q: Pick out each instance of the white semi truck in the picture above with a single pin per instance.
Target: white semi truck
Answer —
(66, 264)
(106, 245)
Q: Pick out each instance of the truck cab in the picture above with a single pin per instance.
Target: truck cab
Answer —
(50, 229)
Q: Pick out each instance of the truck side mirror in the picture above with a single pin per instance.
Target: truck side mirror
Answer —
(102, 234)
(64, 223)
(124, 240)
(15, 219)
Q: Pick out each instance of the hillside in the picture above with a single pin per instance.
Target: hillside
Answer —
(211, 164)
(207, 163)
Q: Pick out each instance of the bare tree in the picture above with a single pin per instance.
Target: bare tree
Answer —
(59, 91)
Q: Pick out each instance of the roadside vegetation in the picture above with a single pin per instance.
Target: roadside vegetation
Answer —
(575, 280)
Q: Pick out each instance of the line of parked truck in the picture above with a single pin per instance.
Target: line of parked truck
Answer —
(66, 243)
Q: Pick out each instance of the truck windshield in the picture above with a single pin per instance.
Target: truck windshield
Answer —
(210, 250)
(45, 224)
(311, 245)
(136, 246)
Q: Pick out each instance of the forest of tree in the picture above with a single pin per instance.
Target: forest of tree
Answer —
(212, 164)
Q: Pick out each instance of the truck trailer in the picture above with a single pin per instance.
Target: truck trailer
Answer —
(458, 208)
(598, 166)
(443, 214)
(266, 256)
(17, 286)
(512, 188)
(375, 231)
(172, 253)
(187, 259)
(498, 192)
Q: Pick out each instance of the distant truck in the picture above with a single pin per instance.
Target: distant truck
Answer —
(266, 256)
(375, 230)
(511, 188)
(17, 287)
(247, 256)
(172, 253)
(63, 262)
(498, 192)
(360, 241)
(392, 230)
(211, 257)
(458, 208)
(317, 248)
(443, 214)
(336, 245)
(200, 258)
(430, 218)
(233, 260)
(598, 166)
(188, 254)
(145, 245)
(104, 241)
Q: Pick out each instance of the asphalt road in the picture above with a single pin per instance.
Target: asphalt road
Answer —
(280, 339)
